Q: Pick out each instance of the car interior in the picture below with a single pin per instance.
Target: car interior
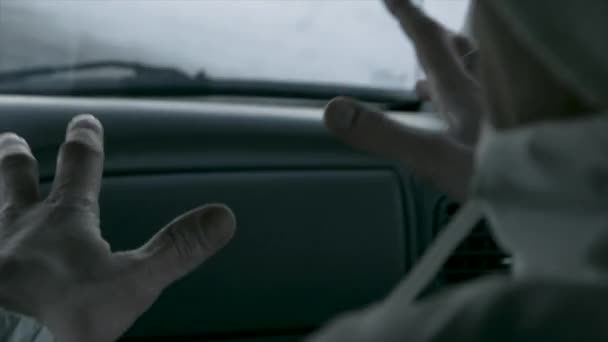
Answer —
(322, 228)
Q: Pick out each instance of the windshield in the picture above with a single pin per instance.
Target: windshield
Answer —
(353, 42)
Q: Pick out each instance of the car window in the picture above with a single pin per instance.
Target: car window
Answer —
(353, 42)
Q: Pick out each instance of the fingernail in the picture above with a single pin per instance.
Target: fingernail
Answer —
(13, 142)
(340, 114)
(218, 223)
(86, 121)
(85, 128)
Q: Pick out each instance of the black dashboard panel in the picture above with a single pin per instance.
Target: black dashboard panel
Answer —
(309, 244)
(160, 136)
(321, 227)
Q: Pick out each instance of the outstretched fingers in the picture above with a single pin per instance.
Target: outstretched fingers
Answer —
(439, 50)
(18, 173)
(80, 163)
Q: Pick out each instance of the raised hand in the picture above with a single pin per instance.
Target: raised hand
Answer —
(444, 159)
(54, 263)
(449, 61)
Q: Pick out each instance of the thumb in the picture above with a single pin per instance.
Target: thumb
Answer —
(431, 156)
(377, 133)
(184, 244)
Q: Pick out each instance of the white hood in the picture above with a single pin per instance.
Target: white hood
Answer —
(544, 189)
(573, 43)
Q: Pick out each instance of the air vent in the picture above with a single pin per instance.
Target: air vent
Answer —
(477, 255)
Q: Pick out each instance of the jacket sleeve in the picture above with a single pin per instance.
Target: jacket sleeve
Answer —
(18, 328)
(491, 309)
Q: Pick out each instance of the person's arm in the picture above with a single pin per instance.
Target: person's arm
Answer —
(491, 309)
(54, 264)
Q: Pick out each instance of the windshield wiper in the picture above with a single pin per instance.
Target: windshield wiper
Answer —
(138, 69)
(146, 80)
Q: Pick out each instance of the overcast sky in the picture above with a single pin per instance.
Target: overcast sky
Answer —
(345, 41)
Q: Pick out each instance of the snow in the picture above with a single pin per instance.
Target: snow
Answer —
(338, 41)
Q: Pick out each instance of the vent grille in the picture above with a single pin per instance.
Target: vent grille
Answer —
(477, 255)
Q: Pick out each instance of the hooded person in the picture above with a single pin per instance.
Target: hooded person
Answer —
(539, 175)
(542, 163)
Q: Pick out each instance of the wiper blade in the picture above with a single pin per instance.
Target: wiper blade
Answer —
(140, 70)
(153, 81)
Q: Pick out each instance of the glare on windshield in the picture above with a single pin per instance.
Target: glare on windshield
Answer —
(354, 42)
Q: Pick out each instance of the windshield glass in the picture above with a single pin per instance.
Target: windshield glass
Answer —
(353, 42)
